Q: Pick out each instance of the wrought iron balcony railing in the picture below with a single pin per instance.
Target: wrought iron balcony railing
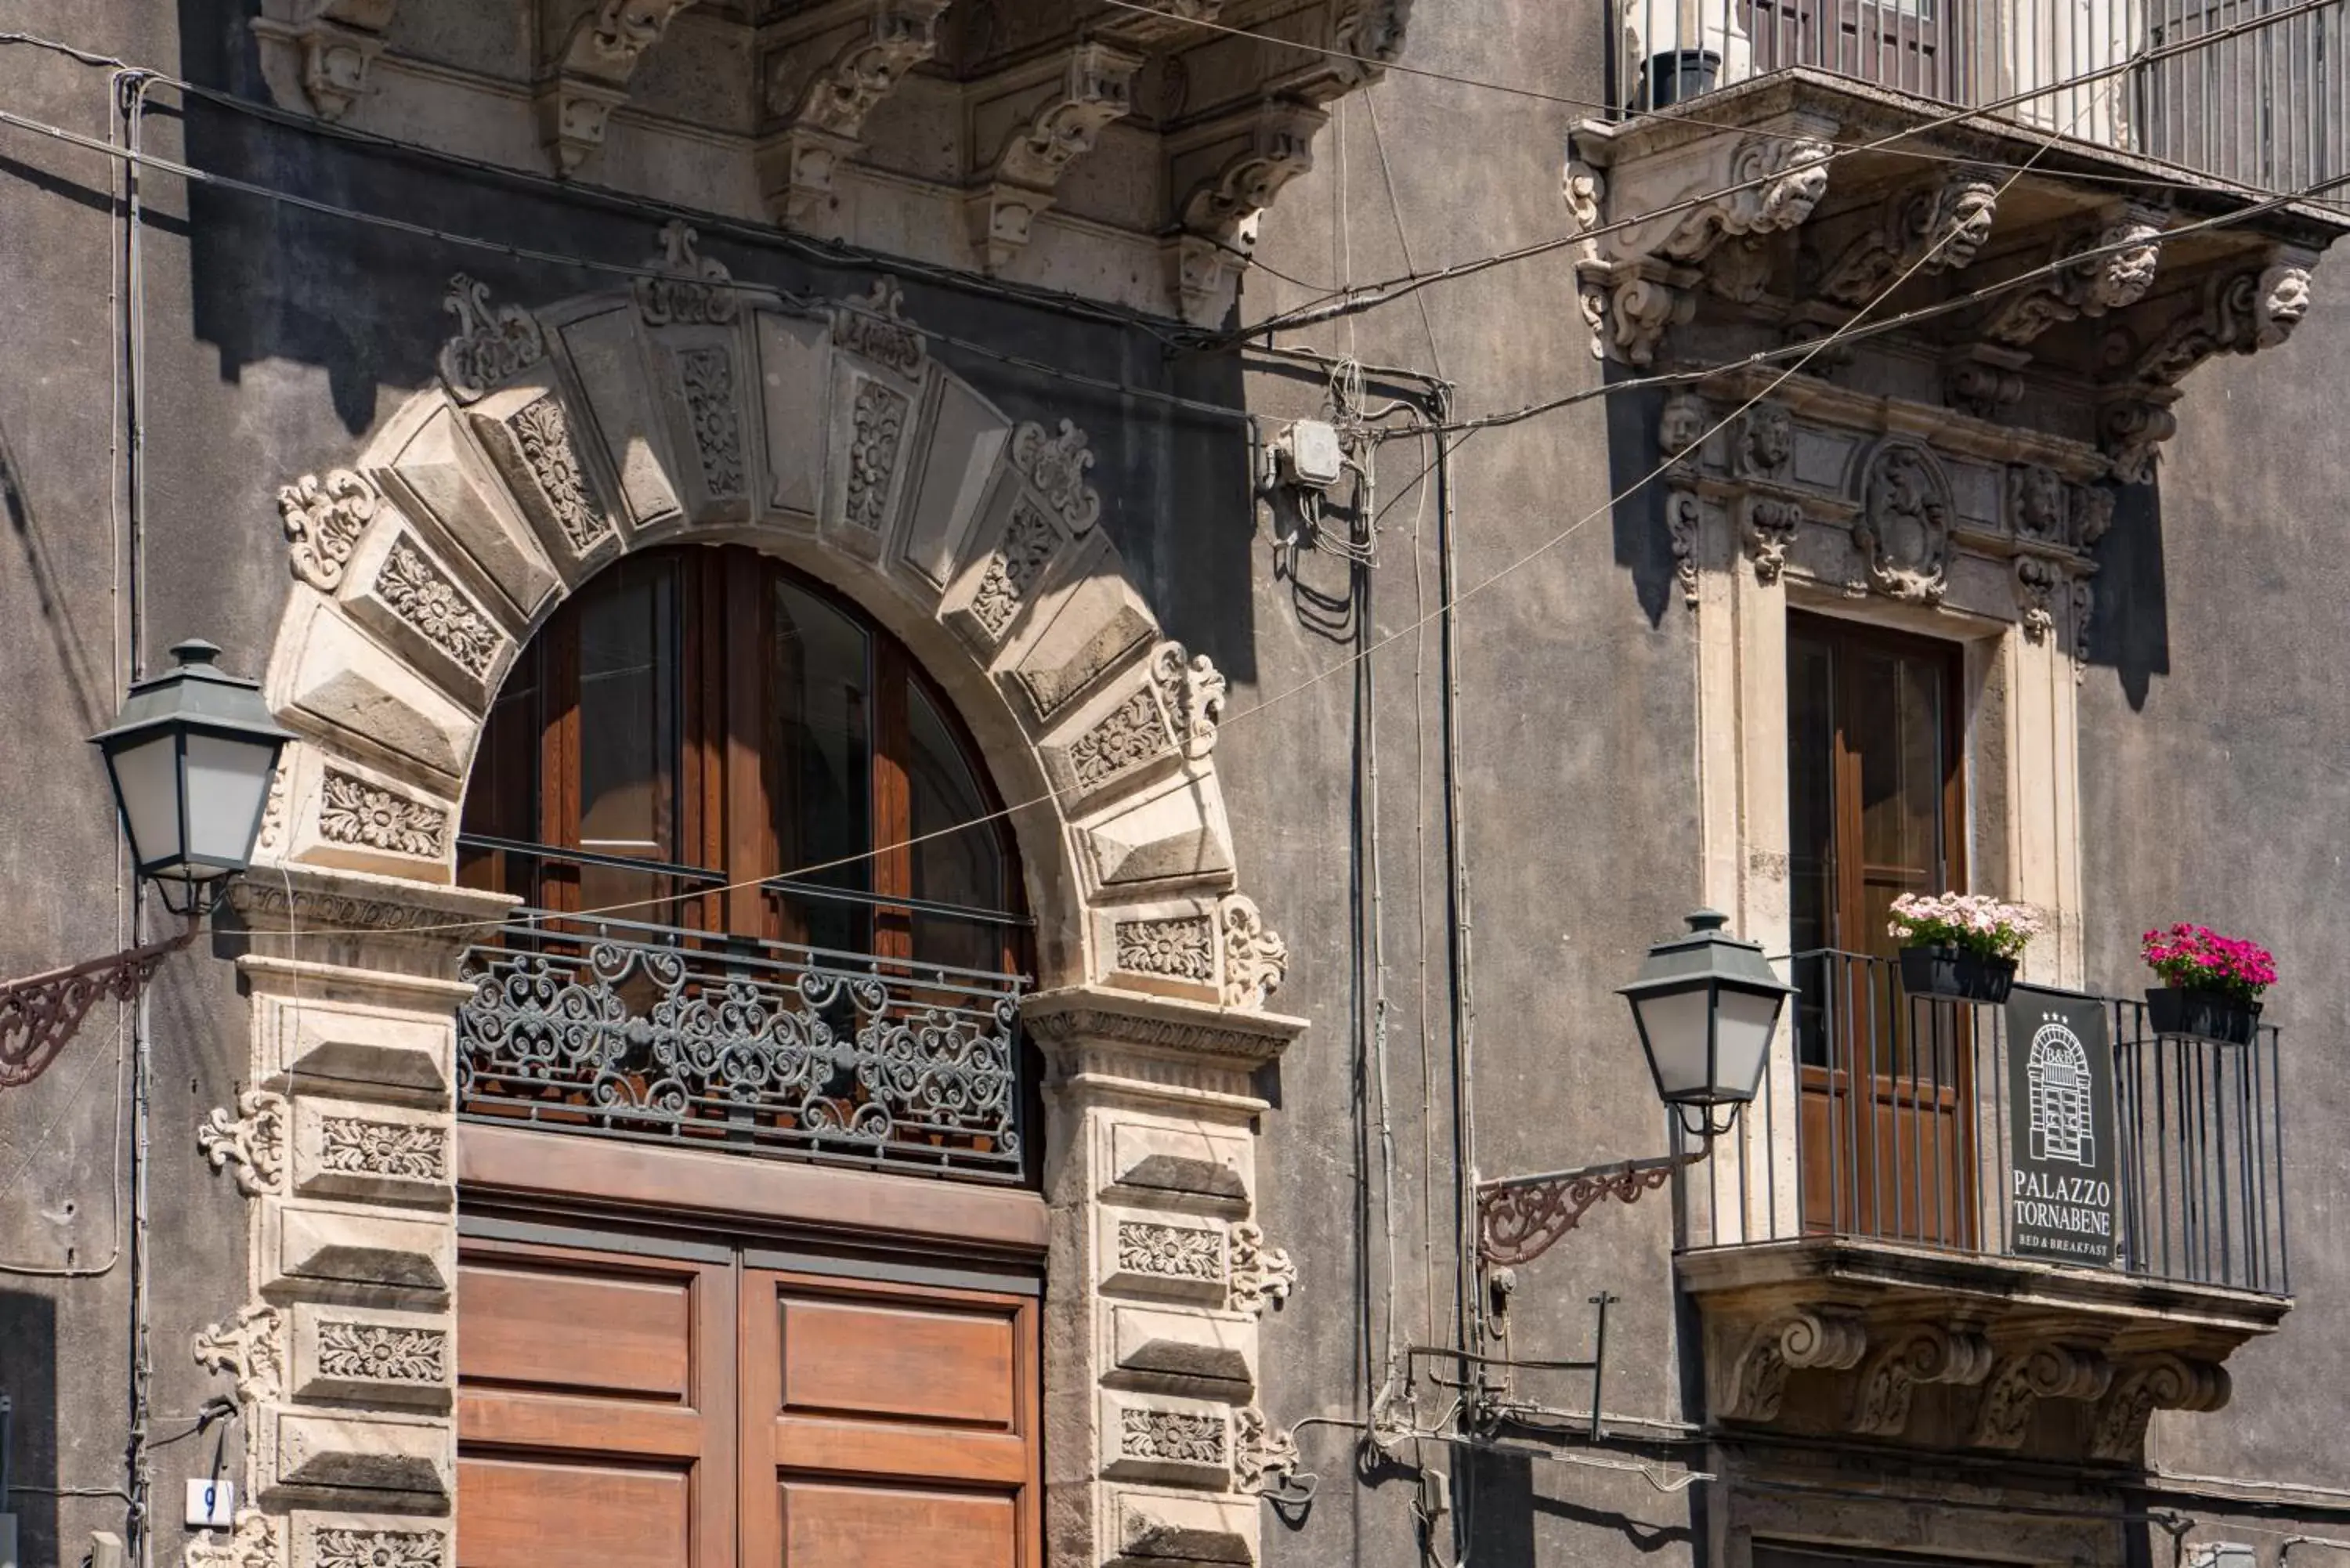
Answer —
(616, 1029)
(1886, 1117)
(2253, 92)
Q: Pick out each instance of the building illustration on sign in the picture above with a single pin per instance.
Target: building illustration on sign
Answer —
(2057, 1075)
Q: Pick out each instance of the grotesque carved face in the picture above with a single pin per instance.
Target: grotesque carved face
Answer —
(1968, 205)
(2285, 300)
(1682, 423)
(2127, 273)
(1770, 439)
(2039, 502)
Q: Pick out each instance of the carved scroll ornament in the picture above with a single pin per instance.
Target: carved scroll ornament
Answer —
(1903, 531)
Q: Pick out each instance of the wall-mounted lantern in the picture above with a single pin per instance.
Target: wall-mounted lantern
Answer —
(190, 757)
(1707, 1005)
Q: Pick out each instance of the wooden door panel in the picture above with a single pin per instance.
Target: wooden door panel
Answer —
(942, 1367)
(826, 1525)
(523, 1513)
(596, 1416)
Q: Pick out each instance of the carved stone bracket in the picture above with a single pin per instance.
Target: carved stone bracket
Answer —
(1937, 227)
(1752, 1387)
(250, 1349)
(1927, 1354)
(2023, 1378)
(2107, 281)
(819, 94)
(2166, 1383)
(328, 45)
(589, 66)
(1248, 162)
(1097, 87)
(2240, 311)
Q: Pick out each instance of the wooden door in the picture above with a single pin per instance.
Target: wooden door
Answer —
(595, 1410)
(888, 1425)
(617, 1411)
(1877, 810)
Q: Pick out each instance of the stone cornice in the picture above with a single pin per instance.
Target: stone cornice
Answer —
(328, 915)
(1230, 1038)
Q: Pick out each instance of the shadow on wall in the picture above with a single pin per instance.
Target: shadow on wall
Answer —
(28, 1440)
(2130, 632)
(1642, 545)
(1500, 1505)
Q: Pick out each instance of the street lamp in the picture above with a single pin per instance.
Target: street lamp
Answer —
(190, 757)
(1707, 1005)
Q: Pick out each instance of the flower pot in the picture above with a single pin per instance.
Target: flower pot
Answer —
(1675, 75)
(1954, 972)
(2210, 1016)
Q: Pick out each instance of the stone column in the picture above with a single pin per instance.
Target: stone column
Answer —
(1157, 1276)
(344, 1354)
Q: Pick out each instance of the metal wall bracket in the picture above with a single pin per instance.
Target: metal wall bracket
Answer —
(1519, 1218)
(39, 1014)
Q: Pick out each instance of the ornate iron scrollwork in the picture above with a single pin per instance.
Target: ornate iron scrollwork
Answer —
(39, 1014)
(899, 1064)
(1518, 1219)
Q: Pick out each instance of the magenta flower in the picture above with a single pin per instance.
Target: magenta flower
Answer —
(2198, 958)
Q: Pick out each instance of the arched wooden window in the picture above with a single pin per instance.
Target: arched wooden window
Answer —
(769, 907)
(701, 738)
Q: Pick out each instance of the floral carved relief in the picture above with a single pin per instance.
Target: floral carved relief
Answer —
(352, 811)
(1056, 466)
(1256, 961)
(1182, 948)
(1260, 1275)
(1028, 543)
(253, 1141)
(492, 342)
(252, 1543)
(874, 327)
(878, 422)
(688, 288)
(424, 597)
(249, 1347)
(707, 378)
(542, 433)
(381, 1549)
(1171, 1251)
(355, 1146)
(1184, 1436)
(383, 1353)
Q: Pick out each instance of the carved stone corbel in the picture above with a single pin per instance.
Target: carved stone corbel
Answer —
(819, 110)
(322, 47)
(1217, 215)
(2166, 1383)
(1927, 1354)
(2025, 1377)
(1983, 379)
(1729, 190)
(589, 66)
(1685, 528)
(2091, 287)
(1938, 227)
(1767, 525)
(2038, 581)
(1097, 87)
(2237, 311)
(1753, 1386)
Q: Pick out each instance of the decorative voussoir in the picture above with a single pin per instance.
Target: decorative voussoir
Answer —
(253, 1141)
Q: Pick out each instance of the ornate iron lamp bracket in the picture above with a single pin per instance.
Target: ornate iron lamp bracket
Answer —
(1519, 1218)
(40, 1012)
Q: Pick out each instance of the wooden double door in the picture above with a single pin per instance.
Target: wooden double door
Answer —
(621, 1408)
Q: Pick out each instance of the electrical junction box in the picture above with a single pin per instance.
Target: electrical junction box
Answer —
(212, 1504)
(1315, 457)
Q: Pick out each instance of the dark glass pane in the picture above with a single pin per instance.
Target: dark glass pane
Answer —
(502, 794)
(963, 867)
(1896, 727)
(1811, 823)
(629, 736)
(824, 774)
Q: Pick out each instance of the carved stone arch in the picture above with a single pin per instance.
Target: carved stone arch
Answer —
(686, 409)
(563, 439)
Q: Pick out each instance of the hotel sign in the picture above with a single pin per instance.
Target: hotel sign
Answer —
(2060, 1203)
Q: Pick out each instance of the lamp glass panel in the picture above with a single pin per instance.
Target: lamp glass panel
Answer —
(1745, 1023)
(1674, 1025)
(227, 781)
(147, 776)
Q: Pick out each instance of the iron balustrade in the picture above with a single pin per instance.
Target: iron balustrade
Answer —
(2265, 103)
(1883, 1117)
(621, 1029)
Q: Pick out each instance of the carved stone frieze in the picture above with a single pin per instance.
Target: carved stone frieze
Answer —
(1182, 1436)
(369, 816)
(1179, 948)
(2024, 1378)
(1937, 227)
(359, 1146)
(1260, 1275)
(323, 520)
(686, 287)
(253, 1141)
(1927, 1354)
(493, 343)
(249, 1347)
(1168, 1252)
(385, 1548)
(1752, 1387)
(1056, 464)
(1903, 531)
(2130, 243)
